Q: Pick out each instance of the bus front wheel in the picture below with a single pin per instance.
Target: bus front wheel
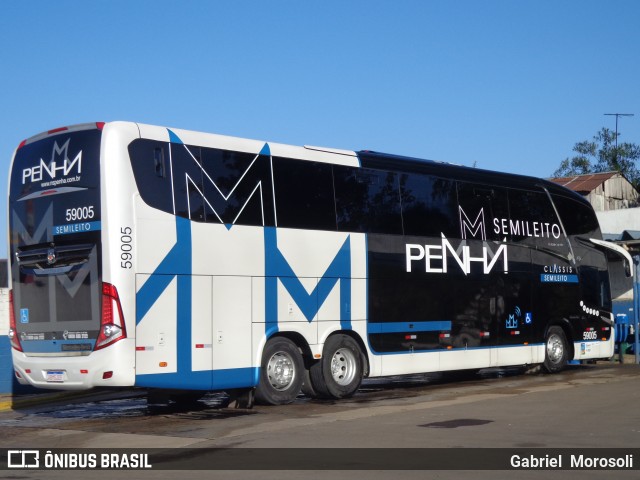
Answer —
(556, 351)
(339, 373)
(281, 372)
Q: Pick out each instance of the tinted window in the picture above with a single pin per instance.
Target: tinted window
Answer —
(187, 181)
(533, 220)
(367, 200)
(594, 279)
(577, 218)
(150, 163)
(429, 205)
(304, 194)
(237, 187)
(480, 207)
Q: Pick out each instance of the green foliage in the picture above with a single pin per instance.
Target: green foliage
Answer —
(601, 155)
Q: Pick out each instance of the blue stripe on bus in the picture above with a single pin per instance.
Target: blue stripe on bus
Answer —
(173, 138)
(408, 327)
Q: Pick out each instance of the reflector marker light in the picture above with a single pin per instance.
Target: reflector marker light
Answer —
(107, 375)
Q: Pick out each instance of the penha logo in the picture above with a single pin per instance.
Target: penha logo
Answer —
(437, 258)
(60, 164)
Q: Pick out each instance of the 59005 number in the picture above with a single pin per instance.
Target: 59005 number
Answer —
(126, 249)
(80, 213)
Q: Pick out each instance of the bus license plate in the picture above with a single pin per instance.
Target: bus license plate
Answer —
(55, 376)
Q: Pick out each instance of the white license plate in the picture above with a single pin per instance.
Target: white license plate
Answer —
(55, 376)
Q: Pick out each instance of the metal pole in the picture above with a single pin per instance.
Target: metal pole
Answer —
(618, 115)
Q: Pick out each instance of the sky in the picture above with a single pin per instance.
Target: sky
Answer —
(500, 84)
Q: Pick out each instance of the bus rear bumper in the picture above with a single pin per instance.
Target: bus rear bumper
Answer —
(111, 367)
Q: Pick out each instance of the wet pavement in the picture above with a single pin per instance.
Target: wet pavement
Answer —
(584, 406)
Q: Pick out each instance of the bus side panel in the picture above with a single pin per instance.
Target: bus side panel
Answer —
(193, 310)
(315, 284)
(156, 333)
(232, 344)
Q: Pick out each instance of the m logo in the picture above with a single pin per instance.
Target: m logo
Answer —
(474, 227)
(227, 186)
(278, 269)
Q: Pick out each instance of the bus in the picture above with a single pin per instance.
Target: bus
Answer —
(170, 259)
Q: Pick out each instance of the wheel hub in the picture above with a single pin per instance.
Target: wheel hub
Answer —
(343, 366)
(280, 370)
(555, 348)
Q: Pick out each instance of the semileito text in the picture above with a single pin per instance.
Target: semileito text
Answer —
(525, 228)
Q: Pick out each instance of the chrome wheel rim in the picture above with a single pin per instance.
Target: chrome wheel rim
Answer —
(281, 371)
(343, 366)
(555, 348)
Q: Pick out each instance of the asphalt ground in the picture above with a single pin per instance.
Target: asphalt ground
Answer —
(584, 407)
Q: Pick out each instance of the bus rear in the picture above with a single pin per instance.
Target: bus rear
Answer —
(65, 323)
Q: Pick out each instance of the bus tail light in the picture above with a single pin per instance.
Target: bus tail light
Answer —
(112, 327)
(13, 332)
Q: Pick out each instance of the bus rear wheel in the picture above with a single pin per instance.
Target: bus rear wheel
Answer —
(339, 373)
(556, 351)
(281, 373)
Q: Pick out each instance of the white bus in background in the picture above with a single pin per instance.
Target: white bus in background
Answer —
(164, 258)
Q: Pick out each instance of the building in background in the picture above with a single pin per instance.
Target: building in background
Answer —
(605, 191)
(617, 205)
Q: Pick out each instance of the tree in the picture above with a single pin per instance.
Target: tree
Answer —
(602, 155)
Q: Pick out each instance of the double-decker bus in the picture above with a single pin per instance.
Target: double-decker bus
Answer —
(164, 258)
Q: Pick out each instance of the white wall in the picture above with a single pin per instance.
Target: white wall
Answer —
(617, 221)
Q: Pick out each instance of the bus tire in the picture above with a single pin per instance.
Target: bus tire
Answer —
(307, 386)
(281, 373)
(556, 350)
(339, 373)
